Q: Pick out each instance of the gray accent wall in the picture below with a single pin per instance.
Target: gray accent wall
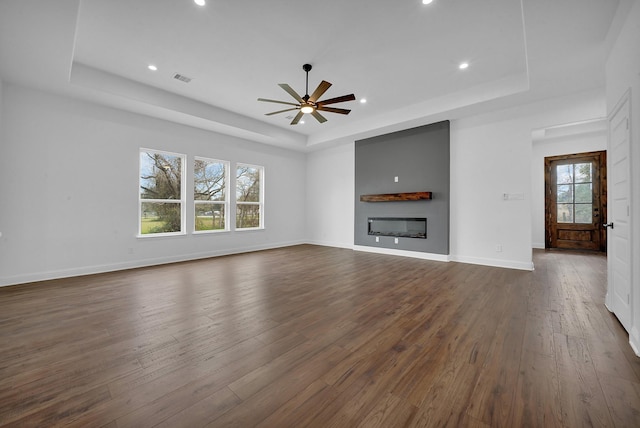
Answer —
(419, 157)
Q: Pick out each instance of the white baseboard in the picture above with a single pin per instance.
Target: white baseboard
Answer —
(95, 269)
(403, 253)
(509, 264)
(634, 340)
(139, 263)
(538, 245)
(330, 244)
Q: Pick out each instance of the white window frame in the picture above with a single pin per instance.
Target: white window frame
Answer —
(182, 200)
(260, 204)
(227, 222)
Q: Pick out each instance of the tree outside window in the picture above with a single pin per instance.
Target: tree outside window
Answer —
(574, 193)
(249, 197)
(210, 194)
(161, 193)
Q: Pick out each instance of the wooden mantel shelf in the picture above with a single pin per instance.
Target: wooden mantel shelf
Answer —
(391, 197)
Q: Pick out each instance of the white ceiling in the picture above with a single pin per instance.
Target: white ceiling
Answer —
(401, 55)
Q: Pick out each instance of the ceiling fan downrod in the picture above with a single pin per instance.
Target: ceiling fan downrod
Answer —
(307, 69)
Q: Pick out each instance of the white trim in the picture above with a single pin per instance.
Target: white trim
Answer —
(227, 168)
(95, 269)
(509, 264)
(183, 196)
(260, 204)
(634, 340)
(538, 245)
(403, 253)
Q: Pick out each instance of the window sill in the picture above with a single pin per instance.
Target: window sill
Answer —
(160, 235)
(209, 232)
(247, 229)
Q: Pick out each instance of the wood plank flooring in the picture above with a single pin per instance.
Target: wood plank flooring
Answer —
(310, 336)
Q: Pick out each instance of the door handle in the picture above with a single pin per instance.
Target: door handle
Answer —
(605, 225)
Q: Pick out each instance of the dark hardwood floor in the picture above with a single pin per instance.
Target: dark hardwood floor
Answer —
(311, 336)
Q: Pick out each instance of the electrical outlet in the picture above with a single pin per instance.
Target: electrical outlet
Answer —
(377, 239)
(395, 179)
(395, 240)
(498, 248)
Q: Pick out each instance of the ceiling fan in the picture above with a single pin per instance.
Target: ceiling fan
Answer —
(310, 103)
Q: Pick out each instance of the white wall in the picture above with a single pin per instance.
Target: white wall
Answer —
(69, 189)
(330, 196)
(579, 140)
(491, 154)
(623, 74)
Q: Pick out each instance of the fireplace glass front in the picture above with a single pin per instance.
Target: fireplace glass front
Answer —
(405, 227)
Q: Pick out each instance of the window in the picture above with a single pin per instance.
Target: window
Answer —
(161, 194)
(575, 193)
(210, 194)
(249, 197)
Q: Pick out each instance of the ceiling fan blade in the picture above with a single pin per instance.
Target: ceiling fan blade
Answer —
(334, 110)
(291, 92)
(276, 101)
(280, 111)
(341, 99)
(318, 116)
(321, 89)
(297, 118)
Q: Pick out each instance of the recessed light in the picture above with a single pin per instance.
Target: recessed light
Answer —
(199, 2)
(152, 67)
(427, 1)
(463, 65)
(302, 122)
(363, 100)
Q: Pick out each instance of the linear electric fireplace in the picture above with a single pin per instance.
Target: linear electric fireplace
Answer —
(404, 227)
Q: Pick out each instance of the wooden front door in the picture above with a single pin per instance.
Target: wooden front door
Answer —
(575, 202)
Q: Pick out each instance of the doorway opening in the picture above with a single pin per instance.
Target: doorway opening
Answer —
(576, 201)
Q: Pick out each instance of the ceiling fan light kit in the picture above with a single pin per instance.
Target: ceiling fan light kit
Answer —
(309, 104)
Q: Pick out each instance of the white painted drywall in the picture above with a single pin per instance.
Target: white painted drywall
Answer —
(69, 186)
(491, 154)
(330, 196)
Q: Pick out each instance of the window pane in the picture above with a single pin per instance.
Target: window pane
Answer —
(160, 217)
(210, 216)
(160, 176)
(565, 213)
(209, 180)
(247, 216)
(583, 213)
(565, 193)
(584, 193)
(247, 184)
(583, 172)
(564, 174)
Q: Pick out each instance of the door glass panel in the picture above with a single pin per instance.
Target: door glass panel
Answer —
(565, 213)
(564, 174)
(583, 172)
(565, 193)
(583, 213)
(584, 193)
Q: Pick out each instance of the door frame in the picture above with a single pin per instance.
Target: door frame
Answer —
(602, 206)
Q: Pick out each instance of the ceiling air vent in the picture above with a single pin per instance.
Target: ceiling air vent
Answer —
(182, 78)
